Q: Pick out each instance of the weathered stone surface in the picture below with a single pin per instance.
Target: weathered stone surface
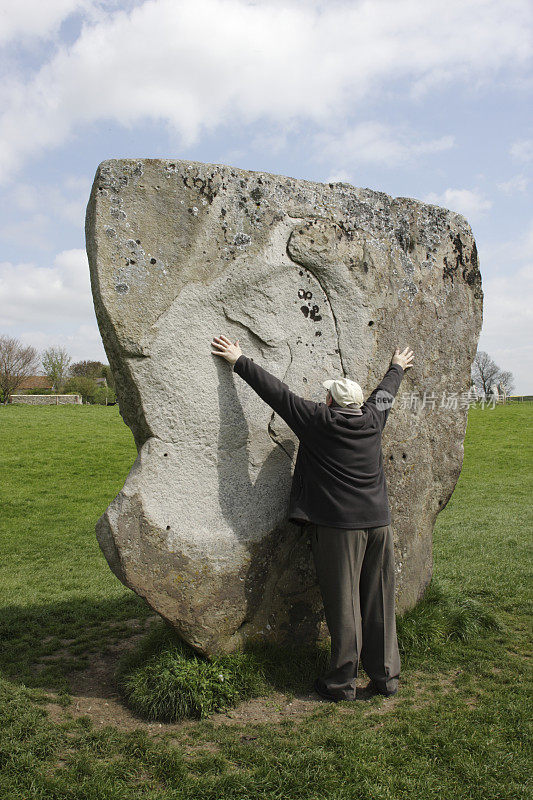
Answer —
(316, 280)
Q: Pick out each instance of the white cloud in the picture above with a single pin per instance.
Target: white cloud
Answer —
(195, 66)
(507, 333)
(522, 149)
(46, 296)
(340, 177)
(375, 142)
(30, 231)
(67, 202)
(499, 255)
(272, 142)
(51, 306)
(82, 342)
(31, 209)
(518, 183)
(35, 18)
(26, 21)
(468, 202)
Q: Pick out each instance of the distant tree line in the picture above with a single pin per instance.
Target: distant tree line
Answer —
(18, 362)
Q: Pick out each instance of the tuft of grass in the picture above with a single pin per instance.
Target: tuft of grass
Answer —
(441, 616)
(165, 680)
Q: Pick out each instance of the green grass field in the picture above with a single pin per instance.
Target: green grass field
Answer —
(459, 728)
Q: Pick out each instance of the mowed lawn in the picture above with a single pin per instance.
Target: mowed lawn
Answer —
(459, 727)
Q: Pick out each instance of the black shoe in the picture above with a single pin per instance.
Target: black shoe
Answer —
(325, 694)
(372, 689)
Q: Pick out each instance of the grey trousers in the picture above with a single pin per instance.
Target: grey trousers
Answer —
(355, 571)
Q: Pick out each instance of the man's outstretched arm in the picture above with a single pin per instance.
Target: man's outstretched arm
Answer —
(385, 392)
(295, 410)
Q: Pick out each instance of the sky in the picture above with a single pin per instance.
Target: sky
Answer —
(416, 98)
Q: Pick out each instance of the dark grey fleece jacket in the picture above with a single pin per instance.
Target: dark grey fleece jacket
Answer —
(338, 477)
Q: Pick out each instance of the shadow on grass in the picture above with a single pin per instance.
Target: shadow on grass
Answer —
(76, 631)
(162, 679)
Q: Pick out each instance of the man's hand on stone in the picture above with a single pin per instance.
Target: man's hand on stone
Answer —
(226, 349)
(403, 359)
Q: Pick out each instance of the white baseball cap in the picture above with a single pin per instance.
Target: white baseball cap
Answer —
(344, 391)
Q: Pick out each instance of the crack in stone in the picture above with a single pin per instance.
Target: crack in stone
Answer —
(304, 266)
(270, 431)
(131, 354)
(154, 322)
(263, 341)
(274, 437)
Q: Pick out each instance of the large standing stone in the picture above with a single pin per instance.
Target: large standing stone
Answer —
(316, 280)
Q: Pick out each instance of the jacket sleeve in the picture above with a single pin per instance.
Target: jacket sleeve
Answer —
(295, 410)
(383, 395)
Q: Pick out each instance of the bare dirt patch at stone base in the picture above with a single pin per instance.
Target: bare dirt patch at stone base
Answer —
(106, 707)
(94, 695)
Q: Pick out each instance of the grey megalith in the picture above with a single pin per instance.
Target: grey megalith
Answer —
(316, 280)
